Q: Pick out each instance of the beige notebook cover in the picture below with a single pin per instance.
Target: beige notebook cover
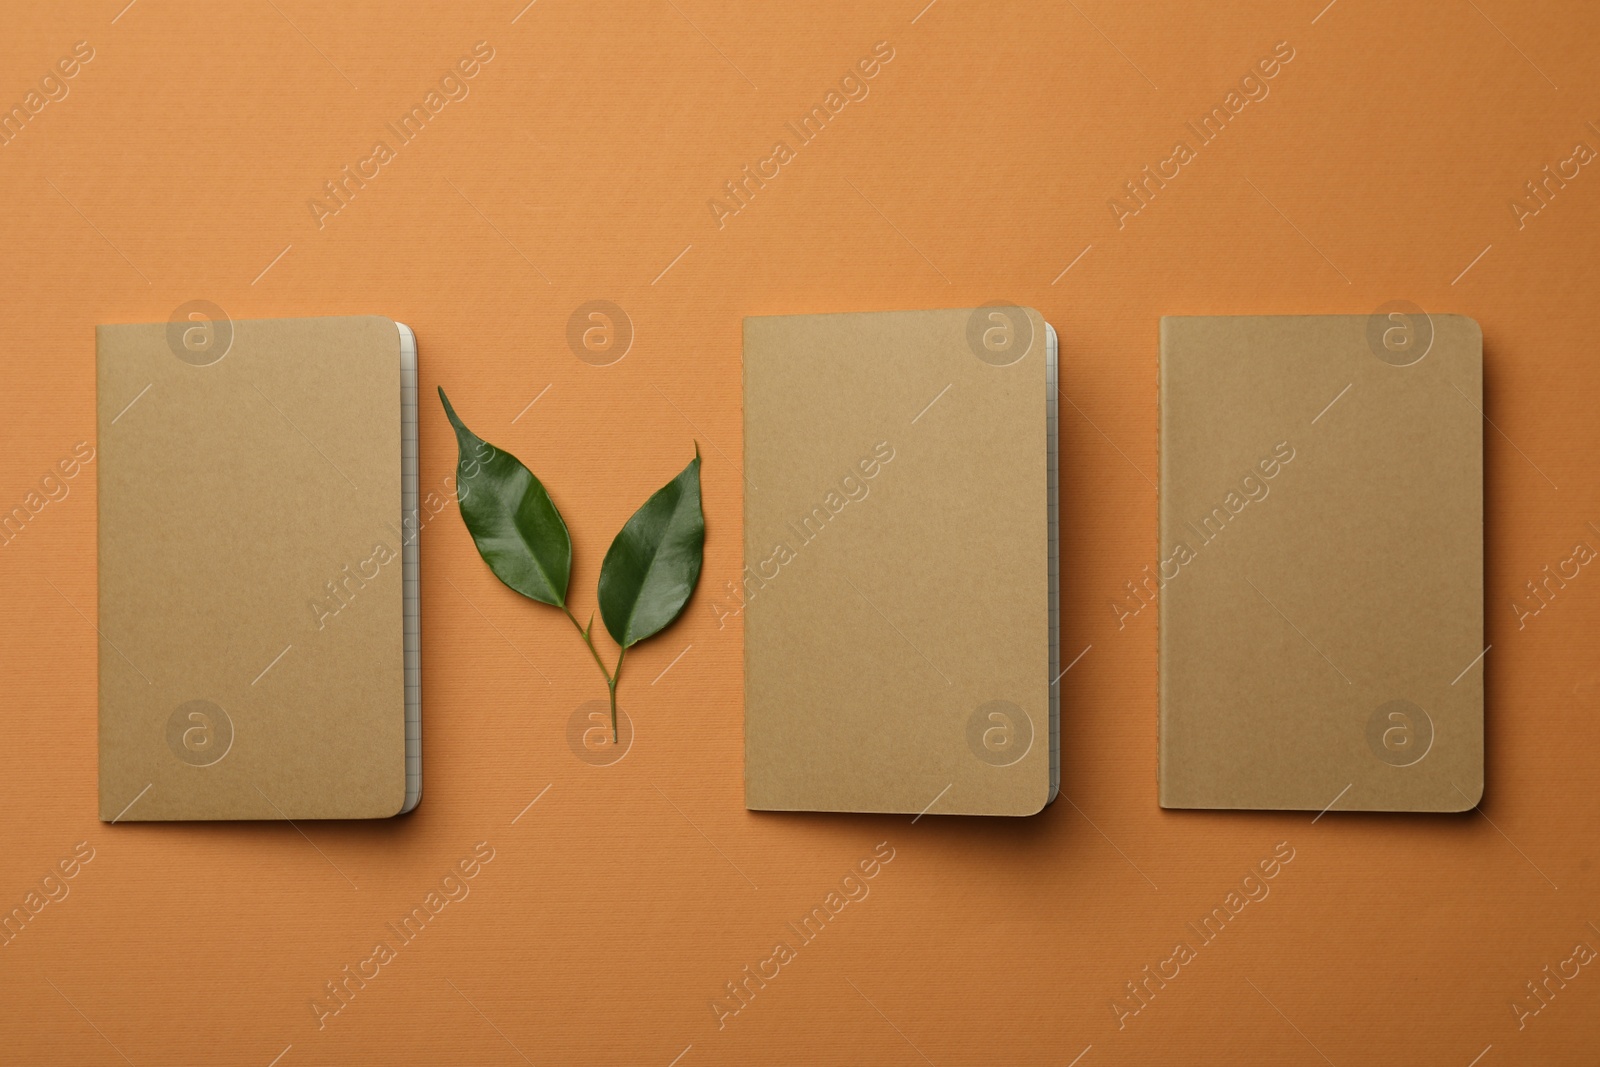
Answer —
(1321, 562)
(251, 587)
(897, 585)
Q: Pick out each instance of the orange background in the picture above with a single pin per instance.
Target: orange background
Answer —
(979, 167)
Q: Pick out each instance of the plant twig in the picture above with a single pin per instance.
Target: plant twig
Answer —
(611, 677)
(585, 635)
(614, 679)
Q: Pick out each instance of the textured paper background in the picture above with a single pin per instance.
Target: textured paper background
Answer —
(978, 168)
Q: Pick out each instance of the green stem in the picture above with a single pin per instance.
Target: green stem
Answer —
(586, 640)
(610, 676)
(617, 675)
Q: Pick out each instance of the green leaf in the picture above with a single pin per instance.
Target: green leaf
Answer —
(653, 565)
(516, 526)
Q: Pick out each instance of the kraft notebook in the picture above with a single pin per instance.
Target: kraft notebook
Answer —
(258, 573)
(899, 585)
(1320, 569)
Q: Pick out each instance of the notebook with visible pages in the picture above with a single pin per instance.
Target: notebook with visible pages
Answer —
(1320, 568)
(899, 592)
(259, 609)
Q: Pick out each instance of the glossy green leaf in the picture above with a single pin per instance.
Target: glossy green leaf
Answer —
(653, 565)
(518, 530)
